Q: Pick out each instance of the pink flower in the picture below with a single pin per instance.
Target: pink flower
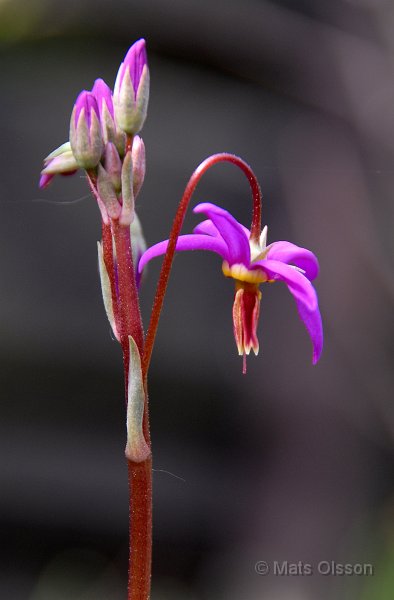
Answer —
(250, 265)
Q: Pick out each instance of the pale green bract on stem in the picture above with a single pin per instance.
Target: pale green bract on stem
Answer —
(137, 450)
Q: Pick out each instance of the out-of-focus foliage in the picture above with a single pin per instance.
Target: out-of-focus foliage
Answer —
(20, 20)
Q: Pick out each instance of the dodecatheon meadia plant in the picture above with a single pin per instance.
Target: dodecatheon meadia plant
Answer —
(104, 141)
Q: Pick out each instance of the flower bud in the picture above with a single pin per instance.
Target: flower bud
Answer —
(64, 163)
(138, 245)
(113, 165)
(59, 162)
(111, 133)
(45, 180)
(102, 92)
(107, 193)
(131, 91)
(139, 164)
(85, 131)
(66, 147)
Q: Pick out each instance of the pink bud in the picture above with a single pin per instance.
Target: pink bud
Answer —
(102, 92)
(85, 131)
(131, 90)
(135, 60)
(87, 102)
(45, 180)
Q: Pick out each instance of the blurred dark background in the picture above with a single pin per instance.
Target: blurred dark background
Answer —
(290, 463)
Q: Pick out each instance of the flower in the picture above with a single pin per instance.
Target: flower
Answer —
(61, 161)
(85, 131)
(251, 264)
(103, 95)
(102, 92)
(131, 90)
(139, 164)
(110, 131)
(138, 245)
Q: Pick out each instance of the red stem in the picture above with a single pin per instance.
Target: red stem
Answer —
(140, 528)
(129, 143)
(108, 255)
(139, 474)
(128, 304)
(128, 322)
(176, 229)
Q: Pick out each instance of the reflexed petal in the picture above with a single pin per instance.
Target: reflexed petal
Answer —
(207, 228)
(289, 253)
(298, 284)
(305, 297)
(231, 231)
(313, 323)
(186, 242)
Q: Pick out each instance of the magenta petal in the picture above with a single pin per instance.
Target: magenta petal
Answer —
(298, 284)
(289, 253)
(185, 242)
(45, 180)
(102, 92)
(231, 231)
(313, 323)
(87, 101)
(135, 59)
(207, 228)
(305, 297)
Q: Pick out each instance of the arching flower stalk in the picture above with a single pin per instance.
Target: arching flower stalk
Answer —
(246, 259)
(104, 141)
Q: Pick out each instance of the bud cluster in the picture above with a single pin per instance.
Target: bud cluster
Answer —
(104, 140)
